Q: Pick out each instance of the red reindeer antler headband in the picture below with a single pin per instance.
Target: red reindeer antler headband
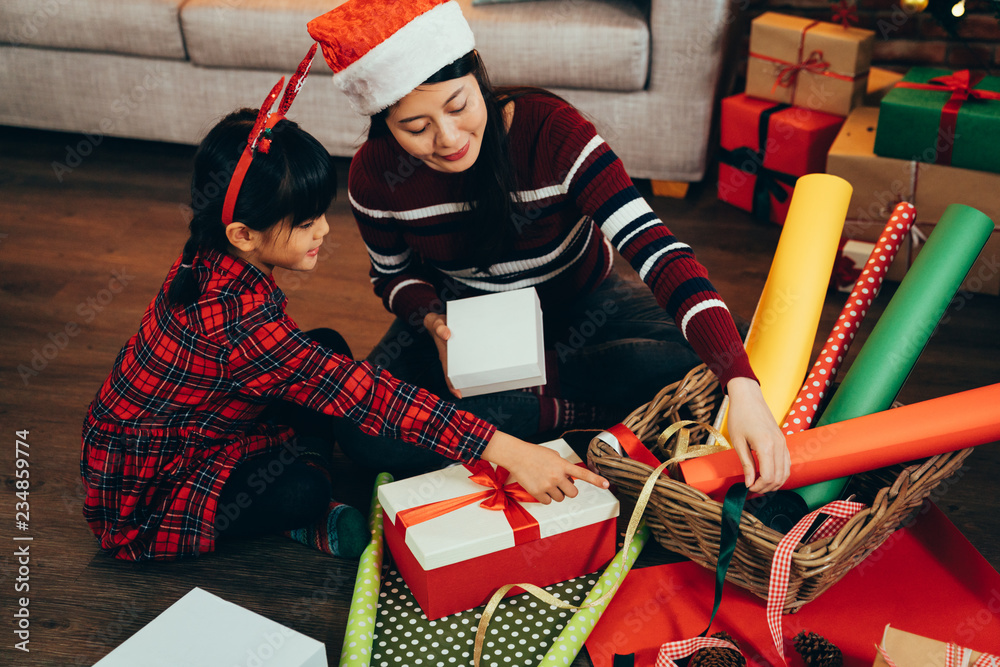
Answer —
(260, 135)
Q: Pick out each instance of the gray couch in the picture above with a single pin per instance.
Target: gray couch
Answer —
(644, 70)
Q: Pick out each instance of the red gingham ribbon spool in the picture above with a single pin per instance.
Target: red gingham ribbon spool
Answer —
(803, 410)
(840, 511)
(671, 651)
(781, 565)
(954, 656)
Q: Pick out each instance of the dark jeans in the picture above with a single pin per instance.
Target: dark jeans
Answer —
(615, 348)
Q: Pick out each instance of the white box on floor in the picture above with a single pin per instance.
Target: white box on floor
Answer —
(203, 630)
(496, 342)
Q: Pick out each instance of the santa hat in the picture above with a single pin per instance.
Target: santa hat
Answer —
(380, 50)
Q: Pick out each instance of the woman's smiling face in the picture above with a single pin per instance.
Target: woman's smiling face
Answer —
(441, 123)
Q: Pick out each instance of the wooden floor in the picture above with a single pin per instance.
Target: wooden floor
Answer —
(82, 253)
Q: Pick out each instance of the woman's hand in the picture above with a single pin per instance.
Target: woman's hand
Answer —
(752, 427)
(541, 471)
(437, 327)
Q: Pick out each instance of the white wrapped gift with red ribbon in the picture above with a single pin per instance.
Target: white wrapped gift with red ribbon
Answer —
(460, 533)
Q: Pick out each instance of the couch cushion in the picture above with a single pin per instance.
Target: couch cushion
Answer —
(589, 44)
(135, 27)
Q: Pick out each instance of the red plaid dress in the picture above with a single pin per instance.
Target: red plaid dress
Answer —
(180, 409)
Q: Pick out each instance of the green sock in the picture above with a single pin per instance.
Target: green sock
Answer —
(342, 532)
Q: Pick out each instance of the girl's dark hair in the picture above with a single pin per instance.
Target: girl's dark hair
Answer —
(491, 183)
(295, 179)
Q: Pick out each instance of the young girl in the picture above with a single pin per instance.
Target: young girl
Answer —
(189, 439)
(514, 188)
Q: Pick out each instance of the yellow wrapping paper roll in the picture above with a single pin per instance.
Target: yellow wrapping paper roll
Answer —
(784, 325)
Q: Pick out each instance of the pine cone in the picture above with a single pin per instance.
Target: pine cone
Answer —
(817, 651)
(716, 656)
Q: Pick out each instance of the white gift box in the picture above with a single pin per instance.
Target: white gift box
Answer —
(203, 630)
(456, 560)
(496, 342)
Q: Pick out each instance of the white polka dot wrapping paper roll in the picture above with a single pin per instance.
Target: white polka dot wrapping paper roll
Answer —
(360, 632)
(803, 409)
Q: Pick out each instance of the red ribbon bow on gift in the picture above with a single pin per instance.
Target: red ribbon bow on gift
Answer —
(960, 85)
(845, 14)
(498, 496)
(788, 74)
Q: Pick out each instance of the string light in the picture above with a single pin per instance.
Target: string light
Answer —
(958, 9)
(913, 6)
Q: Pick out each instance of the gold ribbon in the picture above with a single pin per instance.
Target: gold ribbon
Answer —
(682, 450)
(683, 440)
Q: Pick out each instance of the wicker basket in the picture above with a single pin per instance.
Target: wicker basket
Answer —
(686, 521)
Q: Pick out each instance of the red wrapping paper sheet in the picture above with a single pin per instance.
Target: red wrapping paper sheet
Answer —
(797, 141)
(911, 432)
(927, 579)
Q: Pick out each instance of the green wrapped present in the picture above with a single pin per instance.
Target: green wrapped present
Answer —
(942, 117)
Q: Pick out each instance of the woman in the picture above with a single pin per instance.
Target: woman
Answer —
(462, 189)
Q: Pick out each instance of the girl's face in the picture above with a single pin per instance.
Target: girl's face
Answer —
(441, 123)
(296, 249)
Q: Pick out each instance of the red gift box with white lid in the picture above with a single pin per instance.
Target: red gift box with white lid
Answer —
(454, 553)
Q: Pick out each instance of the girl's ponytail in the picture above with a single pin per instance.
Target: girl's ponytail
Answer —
(184, 287)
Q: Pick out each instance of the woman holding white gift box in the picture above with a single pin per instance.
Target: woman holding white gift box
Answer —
(462, 189)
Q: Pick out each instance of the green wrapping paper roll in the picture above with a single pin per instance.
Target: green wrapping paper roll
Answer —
(570, 641)
(357, 650)
(887, 357)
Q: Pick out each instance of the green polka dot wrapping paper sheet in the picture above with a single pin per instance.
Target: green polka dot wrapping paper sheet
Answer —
(520, 632)
(453, 551)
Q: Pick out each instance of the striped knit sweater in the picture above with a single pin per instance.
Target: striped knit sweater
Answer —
(577, 202)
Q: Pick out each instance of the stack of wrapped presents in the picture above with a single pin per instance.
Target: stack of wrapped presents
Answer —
(814, 104)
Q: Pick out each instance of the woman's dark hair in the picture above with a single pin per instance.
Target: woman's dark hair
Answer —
(295, 179)
(491, 183)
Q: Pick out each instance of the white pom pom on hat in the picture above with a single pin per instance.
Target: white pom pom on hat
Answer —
(380, 50)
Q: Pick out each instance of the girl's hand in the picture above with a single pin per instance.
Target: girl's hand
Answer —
(437, 327)
(752, 427)
(541, 471)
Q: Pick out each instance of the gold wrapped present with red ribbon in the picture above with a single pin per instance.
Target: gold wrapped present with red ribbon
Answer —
(460, 533)
(905, 649)
(812, 64)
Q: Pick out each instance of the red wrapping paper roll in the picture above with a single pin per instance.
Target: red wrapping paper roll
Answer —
(803, 409)
(877, 440)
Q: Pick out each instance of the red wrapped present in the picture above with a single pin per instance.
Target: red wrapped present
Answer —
(459, 534)
(765, 148)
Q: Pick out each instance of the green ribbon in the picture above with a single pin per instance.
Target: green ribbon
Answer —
(732, 512)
